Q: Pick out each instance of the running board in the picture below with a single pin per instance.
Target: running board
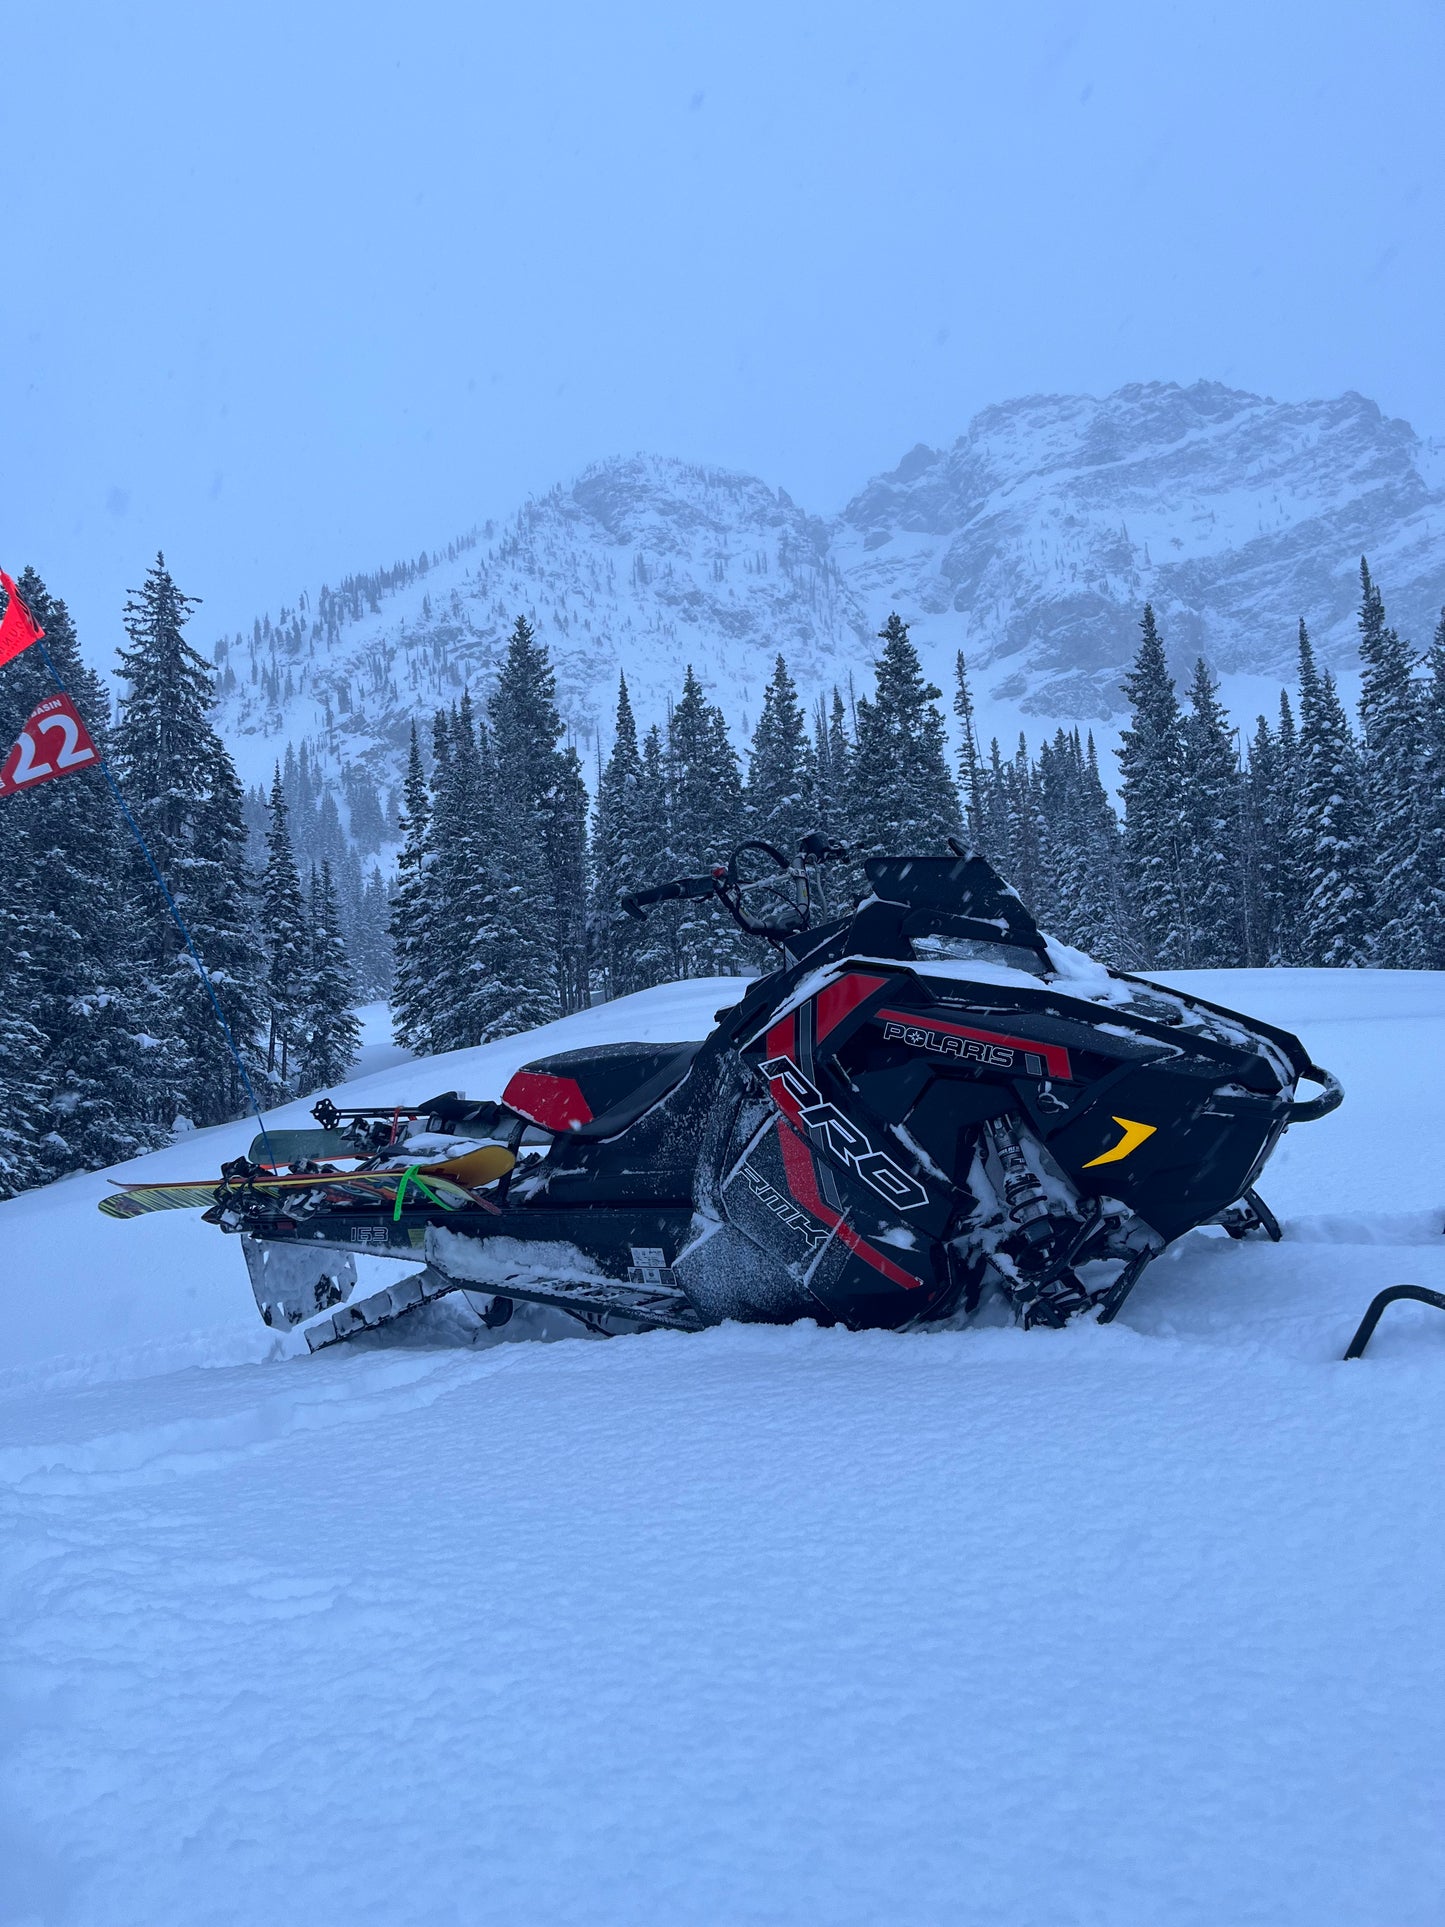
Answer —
(663, 1310)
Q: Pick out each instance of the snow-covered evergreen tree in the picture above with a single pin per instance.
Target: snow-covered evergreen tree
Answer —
(625, 840)
(1336, 915)
(1391, 755)
(1272, 896)
(1103, 921)
(1151, 765)
(218, 896)
(368, 936)
(780, 801)
(1026, 848)
(330, 1035)
(902, 798)
(541, 819)
(1431, 814)
(410, 909)
(283, 930)
(1213, 830)
(995, 809)
(182, 788)
(832, 749)
(1079, 854)
(705, 819)
(971, 777)
(24, 1083)
(109, 1086)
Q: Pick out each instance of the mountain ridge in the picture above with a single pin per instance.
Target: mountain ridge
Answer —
(1031, 542)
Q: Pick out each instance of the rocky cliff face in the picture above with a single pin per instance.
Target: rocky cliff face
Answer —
(1031, 543)
(1043, 530)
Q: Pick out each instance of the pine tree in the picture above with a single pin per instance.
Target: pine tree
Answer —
(1211, 810)
(410, 910)
(541, 811)
(520, 955)
(1432, 804)
(1272, 896)
(1104, 923)
(1336, 912)
(183, 790)
(109, 1089)
(217, 892)
(1026, 848)
(704, 818)
(832, 751)
(24, 1085)
(623, 846)
(1260, 779)
(283, 928)
(330, 1034)
(970, 763)
(780, 801)
(656, 957)
(1151, 764)
(368, 938)
(1391, 755)
(995, 809)
(475, 940)
(903, 801)
(1287, 833)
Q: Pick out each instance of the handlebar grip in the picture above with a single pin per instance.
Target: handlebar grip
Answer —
(1330, 1099)
(680, 887)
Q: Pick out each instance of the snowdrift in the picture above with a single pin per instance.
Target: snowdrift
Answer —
(764, 1625)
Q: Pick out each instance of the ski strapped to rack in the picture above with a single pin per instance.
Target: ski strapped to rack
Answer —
(1380, 1304)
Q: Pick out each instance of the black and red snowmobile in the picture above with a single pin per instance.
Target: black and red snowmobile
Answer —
(927, 1103)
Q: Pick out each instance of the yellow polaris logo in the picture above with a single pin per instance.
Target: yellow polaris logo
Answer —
(1134, 1136)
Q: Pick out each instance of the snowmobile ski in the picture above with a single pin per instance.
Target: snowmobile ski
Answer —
(592, 1304)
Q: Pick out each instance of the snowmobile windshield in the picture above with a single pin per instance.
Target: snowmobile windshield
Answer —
(930, 948)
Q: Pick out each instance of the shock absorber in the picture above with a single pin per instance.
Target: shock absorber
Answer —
(1048, 1292)
(1024, 1196)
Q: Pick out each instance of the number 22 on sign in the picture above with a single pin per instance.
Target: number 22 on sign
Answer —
(53, 742)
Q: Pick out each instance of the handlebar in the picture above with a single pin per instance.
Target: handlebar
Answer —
(696, 888)
(1330, 1098)
(730, 887)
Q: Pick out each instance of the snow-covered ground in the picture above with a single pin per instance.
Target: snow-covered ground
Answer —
(1132, 1625)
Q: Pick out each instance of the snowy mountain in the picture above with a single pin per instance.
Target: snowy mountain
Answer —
(1031, 543)
(1037, 537)
(1125, 1624)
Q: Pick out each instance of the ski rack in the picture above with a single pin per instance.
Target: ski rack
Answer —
(1381, 1303)
(658, 1309)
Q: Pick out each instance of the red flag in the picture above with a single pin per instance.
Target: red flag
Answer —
(18, 628)
(53, 742)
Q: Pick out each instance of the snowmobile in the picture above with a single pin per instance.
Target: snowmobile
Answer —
(926, 1105)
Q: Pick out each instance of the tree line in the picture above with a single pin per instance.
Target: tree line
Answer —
(108, 1041)
(1319, 840)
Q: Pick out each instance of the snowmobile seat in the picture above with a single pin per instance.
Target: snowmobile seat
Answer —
(597, 1092)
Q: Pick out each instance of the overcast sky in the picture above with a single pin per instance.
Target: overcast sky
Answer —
(295, 288)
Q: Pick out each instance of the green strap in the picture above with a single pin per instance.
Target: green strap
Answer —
(409, 1176)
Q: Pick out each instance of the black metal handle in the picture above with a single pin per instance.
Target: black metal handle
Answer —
(680, 887)
(1379, 1304)
(1330, 1099)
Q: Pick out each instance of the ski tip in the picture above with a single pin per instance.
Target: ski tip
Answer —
(120, 1204)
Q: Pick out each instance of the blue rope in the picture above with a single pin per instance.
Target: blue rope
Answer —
(175, 911)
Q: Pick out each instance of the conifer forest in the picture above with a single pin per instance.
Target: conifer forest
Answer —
(483, 898)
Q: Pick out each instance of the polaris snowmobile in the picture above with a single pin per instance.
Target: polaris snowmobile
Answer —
(927, 1103)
